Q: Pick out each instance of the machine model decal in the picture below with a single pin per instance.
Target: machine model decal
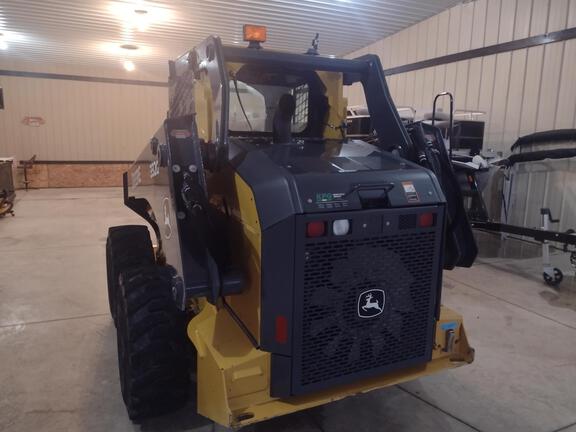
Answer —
(371, 303)
(329, 200)
(167, 223)
(410, 192)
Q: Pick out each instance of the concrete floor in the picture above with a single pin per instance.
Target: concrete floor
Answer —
(58, 349)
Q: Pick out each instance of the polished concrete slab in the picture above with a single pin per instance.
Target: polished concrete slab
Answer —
(58, 347)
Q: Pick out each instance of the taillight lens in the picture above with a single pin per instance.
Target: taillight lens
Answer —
(281, 331)
(426, 220)
(316, 229)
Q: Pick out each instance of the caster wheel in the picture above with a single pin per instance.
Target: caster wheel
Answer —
(553, 281)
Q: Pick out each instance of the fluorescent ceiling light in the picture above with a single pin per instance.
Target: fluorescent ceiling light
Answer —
(138, 15)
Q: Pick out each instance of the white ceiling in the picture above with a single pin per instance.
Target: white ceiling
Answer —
(88, 32)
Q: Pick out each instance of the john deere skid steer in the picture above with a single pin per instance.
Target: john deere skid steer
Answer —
(289, 265)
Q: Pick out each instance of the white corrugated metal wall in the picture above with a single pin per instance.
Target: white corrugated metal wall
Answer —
(83, 120)
(522, 91)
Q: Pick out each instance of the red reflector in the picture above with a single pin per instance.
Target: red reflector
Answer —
(315, 229)
(426, 220)
(281, 329)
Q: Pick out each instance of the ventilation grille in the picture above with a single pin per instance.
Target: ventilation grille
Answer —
(336, 341)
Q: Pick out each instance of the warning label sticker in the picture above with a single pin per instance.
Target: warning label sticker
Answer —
(410, 192)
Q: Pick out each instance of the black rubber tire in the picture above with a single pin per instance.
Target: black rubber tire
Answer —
(557, 280)
(152, 343)
(127, 246)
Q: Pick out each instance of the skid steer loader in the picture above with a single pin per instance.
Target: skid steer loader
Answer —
(292, 266)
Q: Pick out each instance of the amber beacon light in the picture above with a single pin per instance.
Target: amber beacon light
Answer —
(253, 33)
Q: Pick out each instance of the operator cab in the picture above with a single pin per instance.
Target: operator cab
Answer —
(295, 113)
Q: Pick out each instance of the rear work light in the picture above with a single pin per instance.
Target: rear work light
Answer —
(426, 220)
(341, 227)
(315, 229)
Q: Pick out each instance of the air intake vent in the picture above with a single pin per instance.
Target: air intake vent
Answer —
(367, 307)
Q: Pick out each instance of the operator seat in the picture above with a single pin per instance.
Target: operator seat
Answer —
(282, 122)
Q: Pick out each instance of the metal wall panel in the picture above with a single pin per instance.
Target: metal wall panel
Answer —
(522, 92)
(83, 120)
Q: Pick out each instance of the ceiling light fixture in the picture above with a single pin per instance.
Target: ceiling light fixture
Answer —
(124, 49)
(138, 15)
(129, 65)
(3, 44)
(129, 47)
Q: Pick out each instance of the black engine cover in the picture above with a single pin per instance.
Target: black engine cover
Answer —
(365, 303)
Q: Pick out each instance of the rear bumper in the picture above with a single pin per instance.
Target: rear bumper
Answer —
(234, 377)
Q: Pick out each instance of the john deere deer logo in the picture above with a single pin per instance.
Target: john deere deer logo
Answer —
(371, 303)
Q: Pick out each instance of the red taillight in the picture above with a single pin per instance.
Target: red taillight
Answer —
(281, 333)
(316, 229)
(426, 220)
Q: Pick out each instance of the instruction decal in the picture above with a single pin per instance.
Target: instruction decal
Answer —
(410, 192)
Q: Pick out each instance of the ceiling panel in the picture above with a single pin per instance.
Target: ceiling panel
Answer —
(88, 33)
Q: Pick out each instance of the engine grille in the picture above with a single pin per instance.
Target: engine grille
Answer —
(337, 343)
